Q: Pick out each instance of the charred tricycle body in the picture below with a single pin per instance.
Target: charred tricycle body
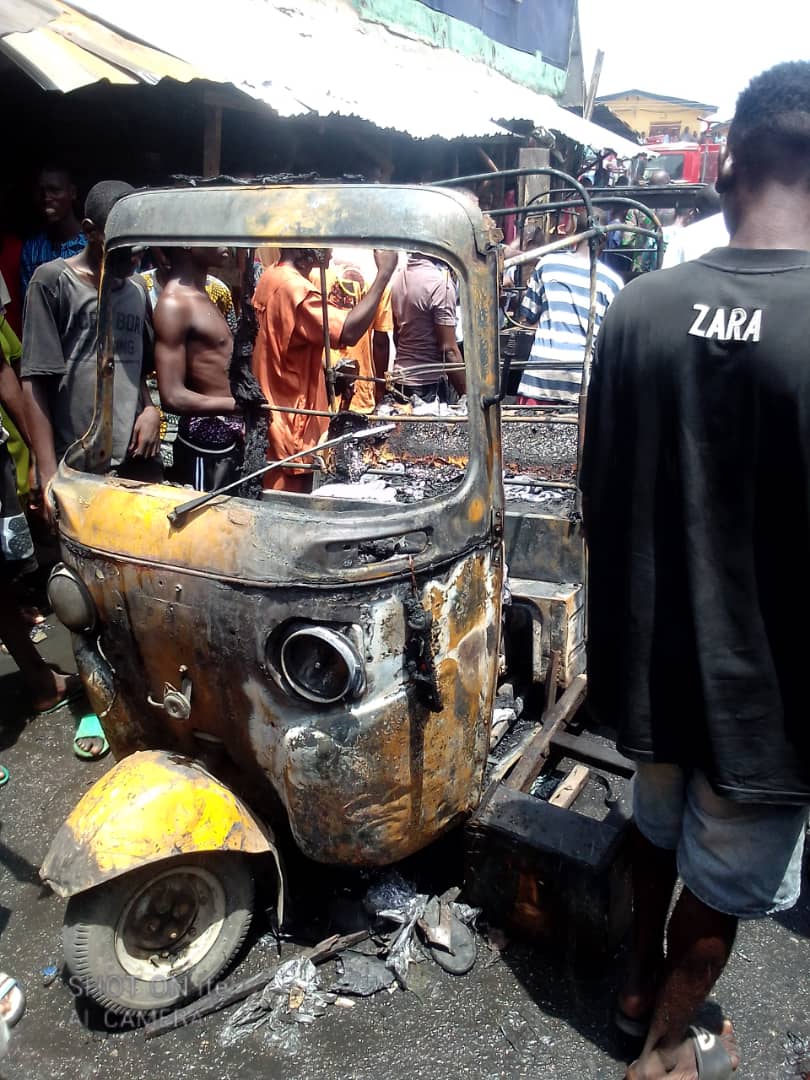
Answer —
(324, 668)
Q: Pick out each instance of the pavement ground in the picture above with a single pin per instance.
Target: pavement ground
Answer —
(517, 1014)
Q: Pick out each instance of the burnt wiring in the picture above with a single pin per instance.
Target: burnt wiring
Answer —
(420, 666)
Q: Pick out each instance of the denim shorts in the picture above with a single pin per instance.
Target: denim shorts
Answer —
(744, 859)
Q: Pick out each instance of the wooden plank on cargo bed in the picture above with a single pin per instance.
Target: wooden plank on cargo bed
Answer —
(537, 749)
(571, 787)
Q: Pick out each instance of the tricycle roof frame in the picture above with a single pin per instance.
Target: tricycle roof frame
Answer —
(434, 220)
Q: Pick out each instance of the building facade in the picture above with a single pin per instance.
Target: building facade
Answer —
(656, 116)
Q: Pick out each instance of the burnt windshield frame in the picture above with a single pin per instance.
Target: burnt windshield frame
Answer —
(441, 224)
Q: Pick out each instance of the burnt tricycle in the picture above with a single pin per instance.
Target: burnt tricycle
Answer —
(322, 669)
(325, 668)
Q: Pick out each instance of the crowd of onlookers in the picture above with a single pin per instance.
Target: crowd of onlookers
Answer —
(695, 490)
(393, 325)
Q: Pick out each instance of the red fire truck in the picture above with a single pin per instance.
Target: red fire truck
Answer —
(686, 162)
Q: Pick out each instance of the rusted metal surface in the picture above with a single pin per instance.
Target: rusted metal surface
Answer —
(428, 219)
(364, 783)
(151, 806)
(190, 616)
(540, 547)
(551, 874)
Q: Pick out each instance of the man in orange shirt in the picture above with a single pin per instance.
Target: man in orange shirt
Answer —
(288, 354)
(347, 278)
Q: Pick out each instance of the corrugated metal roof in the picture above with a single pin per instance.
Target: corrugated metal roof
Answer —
(685, 102)
(301, 57)
(20, 16)
(63, 49)
(321, 57)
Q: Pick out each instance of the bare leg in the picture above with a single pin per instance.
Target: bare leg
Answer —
(699, 943)
(654, 875)
(44, 684)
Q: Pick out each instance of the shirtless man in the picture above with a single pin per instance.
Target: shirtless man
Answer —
(193, 346)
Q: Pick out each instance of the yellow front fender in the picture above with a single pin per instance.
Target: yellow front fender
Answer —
(150, 806)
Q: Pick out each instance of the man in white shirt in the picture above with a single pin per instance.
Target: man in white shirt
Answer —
(705, 234)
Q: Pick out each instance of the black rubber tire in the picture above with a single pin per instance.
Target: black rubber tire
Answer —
(88, 937)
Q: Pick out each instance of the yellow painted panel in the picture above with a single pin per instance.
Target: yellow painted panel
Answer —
(133, 522)
(150, 806)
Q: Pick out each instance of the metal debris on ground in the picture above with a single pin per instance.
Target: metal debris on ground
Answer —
(395, 900)
(425, 926)
(443, 925)
(361, 975)
(293, 996)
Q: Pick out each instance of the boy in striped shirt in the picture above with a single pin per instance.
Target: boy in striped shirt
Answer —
(557, 300)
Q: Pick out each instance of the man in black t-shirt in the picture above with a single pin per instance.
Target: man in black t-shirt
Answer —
(696, 485)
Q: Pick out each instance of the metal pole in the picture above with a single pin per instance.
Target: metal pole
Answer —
(590, 100)
(328, 370)
(535, 253)
(201, 500)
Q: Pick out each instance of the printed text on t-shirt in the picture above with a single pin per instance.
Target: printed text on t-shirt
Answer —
(740, 325)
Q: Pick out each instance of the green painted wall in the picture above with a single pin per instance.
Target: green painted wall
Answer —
(438, 29)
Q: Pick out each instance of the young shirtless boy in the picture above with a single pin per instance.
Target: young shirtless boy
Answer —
(193, 346)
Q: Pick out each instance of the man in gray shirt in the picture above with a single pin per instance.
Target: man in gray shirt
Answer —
(60, 352)
(423, 299)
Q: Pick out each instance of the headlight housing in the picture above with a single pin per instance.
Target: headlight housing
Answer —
(71, 600)
(321, 664)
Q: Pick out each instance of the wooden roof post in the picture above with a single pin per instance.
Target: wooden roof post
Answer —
(212, 140)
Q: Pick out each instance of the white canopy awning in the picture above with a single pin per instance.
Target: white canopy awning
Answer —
(301, 57)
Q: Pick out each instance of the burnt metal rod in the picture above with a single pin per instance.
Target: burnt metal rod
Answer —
(224, 995)
(505, 419)
(202, 500)
(537, 749)
(555, 245)
(562, 485)
(433, 418)
(395, 474)
(540, 170)
(534, 481)
(587, 359)
(328, 370)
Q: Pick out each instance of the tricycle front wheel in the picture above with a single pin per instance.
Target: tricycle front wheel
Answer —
(159, 936)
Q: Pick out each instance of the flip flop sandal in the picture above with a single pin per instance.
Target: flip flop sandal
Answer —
(713, 1062)
(633, 1027)
(11, 989)
(4, 775)
(73, 692)
(462, 945)
(447, 939)
(90, 728)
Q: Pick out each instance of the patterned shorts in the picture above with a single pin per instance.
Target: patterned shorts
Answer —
(16, 547)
